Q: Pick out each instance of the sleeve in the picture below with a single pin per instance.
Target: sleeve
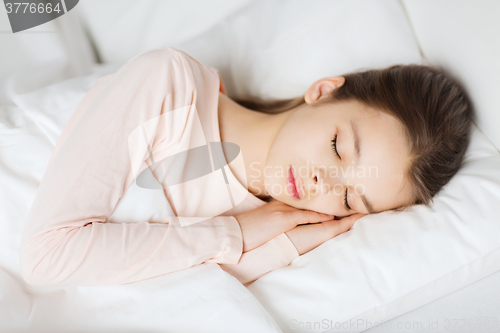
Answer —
(276, 253)
(222, 87)
(67, 239)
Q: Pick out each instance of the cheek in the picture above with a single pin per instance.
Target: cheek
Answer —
(325, 204)
(293, 145)
(280, 153)
(275, 184)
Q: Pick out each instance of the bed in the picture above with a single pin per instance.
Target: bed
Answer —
(428, 269)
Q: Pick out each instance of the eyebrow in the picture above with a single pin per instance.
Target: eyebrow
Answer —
(355, 136)
(354, 130)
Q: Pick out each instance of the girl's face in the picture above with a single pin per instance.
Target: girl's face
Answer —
(345, 158)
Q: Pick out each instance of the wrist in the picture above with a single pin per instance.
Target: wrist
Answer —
(291, 234)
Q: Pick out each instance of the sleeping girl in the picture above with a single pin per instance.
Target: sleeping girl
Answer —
(251, 184)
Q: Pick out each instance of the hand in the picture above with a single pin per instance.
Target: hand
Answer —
(307, 237)
(262, 224)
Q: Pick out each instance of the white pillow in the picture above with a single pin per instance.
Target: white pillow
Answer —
(121, 29)
(468, 44)
(52, 106)
(45, 54)
(265, 48)
(28, 52)
(277, 49)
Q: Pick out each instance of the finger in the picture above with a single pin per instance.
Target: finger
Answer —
(336, 227)
(307, 237)
(309, 216)
(354, 217)
(348, 222)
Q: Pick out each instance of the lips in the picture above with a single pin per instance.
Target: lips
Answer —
(294, 185)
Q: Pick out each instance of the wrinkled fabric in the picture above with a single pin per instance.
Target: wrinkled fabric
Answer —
(153, 122)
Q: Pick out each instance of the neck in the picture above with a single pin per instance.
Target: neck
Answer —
(254, 133)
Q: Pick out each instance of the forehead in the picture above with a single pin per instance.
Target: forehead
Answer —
(352, 107)
(384, 150)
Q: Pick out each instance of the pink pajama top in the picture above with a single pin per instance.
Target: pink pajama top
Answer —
(153, 122)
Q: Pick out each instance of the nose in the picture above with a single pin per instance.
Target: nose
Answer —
(321, 183)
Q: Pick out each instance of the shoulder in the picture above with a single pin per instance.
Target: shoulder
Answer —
(175, 60)
(158, 57)
(166, 54)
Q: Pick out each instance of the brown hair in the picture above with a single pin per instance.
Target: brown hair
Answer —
(432, 106)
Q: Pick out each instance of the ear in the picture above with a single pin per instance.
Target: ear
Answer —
(322, 88)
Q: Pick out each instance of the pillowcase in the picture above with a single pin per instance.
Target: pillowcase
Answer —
(468, 45)
(29, 53)
(52, 106)
(265, 48)
(276, 49)
(54, 51)
(121, 29)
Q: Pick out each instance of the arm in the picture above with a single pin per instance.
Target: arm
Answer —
(276, 253)
(68, 240)
(281, 250)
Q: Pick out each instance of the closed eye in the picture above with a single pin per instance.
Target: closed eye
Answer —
(334, 146)
(346, 204)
